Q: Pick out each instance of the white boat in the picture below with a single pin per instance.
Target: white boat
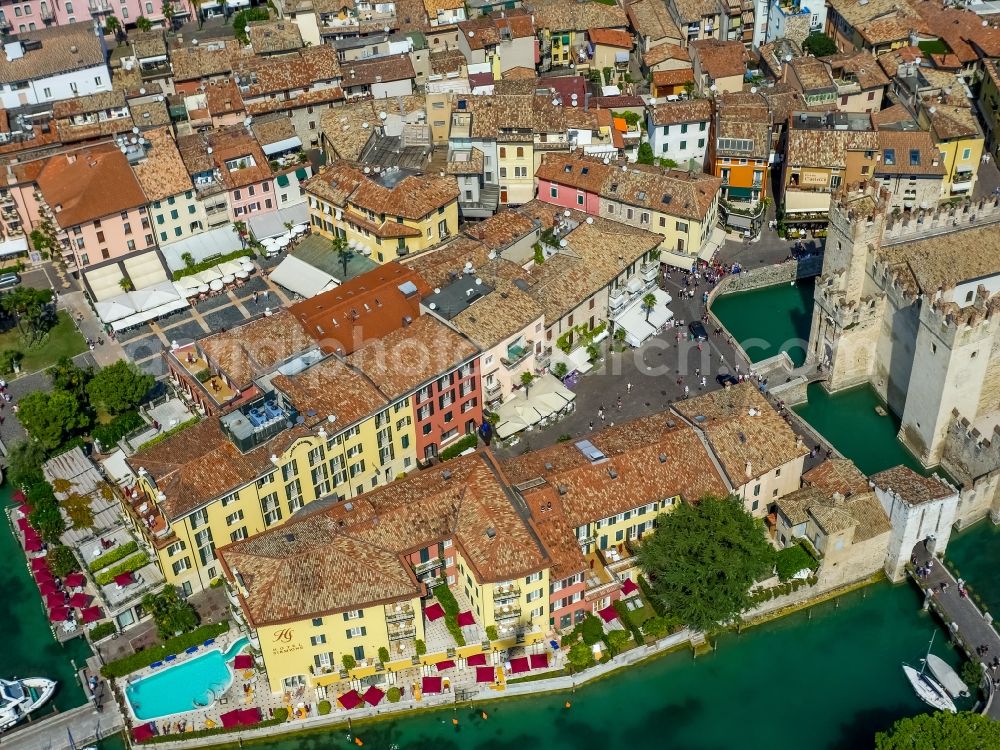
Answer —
(929, 691)
(947, 676)
(18, 698)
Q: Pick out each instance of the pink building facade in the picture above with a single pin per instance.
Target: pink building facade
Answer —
(252, 199)
(569, 197)
(567, 602)
(19, 17)
(447, 408)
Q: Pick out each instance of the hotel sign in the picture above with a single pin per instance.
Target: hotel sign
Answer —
(283, 642)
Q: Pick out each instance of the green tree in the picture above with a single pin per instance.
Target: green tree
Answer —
(819, 44)
(616, 640)
(61, 561)
(580, 656)
(10, 359)
(655, 627)
(243, 17)
(48, 520)
(126, 284)
(645, 154)
(648, 304)
(344, 253)
(143, 24)
(188, 259)
(120, 387)
(527, 379)
(348, 661)
(667, 163)
(703, 558)
(972, 674)
(24, 463)
(43, 238)
(383, 654)
(240, 229)
(51, 417)
(168, 13)
(32, 309)
(940, 730)
(112, 26)
(171, 613)
(67, 376)
(591, 629)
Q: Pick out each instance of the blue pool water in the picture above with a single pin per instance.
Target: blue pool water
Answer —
(191, 684)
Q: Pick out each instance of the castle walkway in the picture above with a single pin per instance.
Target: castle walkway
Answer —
(967, 626)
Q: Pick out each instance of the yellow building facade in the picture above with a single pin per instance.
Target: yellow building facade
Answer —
(386, 219)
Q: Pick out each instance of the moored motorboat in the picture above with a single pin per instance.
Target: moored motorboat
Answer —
(18, 698)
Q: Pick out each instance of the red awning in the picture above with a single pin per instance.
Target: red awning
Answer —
(22, 524)
(40, 563)
(58, 614)
(446, 664)
(243, 661)
(142, 732)
(629, 587)
(231, 718)
(250, 716)
(43, 576)
(485, 674)
(80, 600)
(30, 533)
(75, 580)
(124, 579)
(33, 544)
(92, 614)
(47, 587)
(19, 496)
(520, 664)
(350, 700)
(466, 618)
(373, 696)
(55, 599)
(539, 661)
(608, 614)
(434, 612)
(476, 660)
(24, 509)
(431, 685)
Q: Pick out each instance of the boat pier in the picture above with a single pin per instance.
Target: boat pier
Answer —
(966, 624)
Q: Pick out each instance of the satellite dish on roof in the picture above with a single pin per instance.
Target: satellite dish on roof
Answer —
(472, 34)
(788, 58)
(607, 160)
(135, 129)
(433, 306)
(124, 149)
(590, 219)
(160, 98)
(194, 42)
(562, 243)
(566, 212)
(382, 116)
(209, 149)
(385, 29)
(142, 92)
(753, 89)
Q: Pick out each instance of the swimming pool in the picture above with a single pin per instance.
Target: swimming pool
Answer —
(191, 684)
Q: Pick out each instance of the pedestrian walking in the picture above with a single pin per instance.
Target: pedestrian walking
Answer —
(686, 391)
(628, 387)
(592, 425)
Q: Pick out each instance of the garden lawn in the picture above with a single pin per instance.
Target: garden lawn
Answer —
(62, 341)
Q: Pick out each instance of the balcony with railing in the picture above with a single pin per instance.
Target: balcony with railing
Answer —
(99, 6)
(517, 353)
(428, 567)
(401, 632)
(506, 593)
(507, 612)
(398, 613)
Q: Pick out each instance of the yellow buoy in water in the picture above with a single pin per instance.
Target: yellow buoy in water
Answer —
(568, 704)
(455, 722)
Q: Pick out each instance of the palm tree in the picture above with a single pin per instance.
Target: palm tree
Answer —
(648, 303)
(112, 26)
(143, 24)
(344, 253)
(527, 379)
(126, 284)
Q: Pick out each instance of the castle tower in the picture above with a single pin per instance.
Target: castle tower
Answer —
(847, 306)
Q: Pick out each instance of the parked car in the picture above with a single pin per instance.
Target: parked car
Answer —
(698, 331)
(725, 379)
(9, 280)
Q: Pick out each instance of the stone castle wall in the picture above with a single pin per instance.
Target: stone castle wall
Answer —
(973, 459)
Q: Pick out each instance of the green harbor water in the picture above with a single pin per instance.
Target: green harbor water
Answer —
(770, 320)
(27, 648)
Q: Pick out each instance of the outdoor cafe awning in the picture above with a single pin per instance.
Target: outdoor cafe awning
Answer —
(283, 145)
(301, 278)
(640, 326)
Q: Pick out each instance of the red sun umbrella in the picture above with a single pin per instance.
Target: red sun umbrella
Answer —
(250, 716)
(485, 674)
(42, 576)
(92, 614)
(243, 661)
(466, 618)
(476, 660)
(608, 614)
(19, 496)
(434, 612)
(47, 587)
(55, 600)
(32, 544)
(431, 685)
(539, 661)
(629, 587)
(446, 664)
(350, 700)
(59, 614)
(80, 600)
(373, 696)
(22, 524)
(520, 664)
(75, 580)
(124, 579)
(230, 718)
(39, 563)
(142, 733)
(24, 509)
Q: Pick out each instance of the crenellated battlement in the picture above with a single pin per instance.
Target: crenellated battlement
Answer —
(968, 453)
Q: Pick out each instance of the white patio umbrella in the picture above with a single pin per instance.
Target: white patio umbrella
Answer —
(216, 286)
(115, 308)
(208, 275)
(247, 265)
(241, 274)
(203, 289)
(229, 278)
(229, 267)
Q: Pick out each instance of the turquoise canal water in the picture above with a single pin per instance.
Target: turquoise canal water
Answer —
(976, 552)
(192, 683)
(770, 320)
(27, 648)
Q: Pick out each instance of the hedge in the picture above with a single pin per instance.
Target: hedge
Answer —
(450, 606)
(628, 621)
(127, 566)
(177, 737)
(118, 553)
(109, 434)
(175, 645)
(456, 448)
(172, 431)
(103, 630)
(211, 263)
(791, 560)
(653, 599)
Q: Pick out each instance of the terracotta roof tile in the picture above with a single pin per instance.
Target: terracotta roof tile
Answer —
(692, 110)
(611, 38)
(208, 60)
(689, 11)
(88, 184)
(268, 37)
(676, 77)
(907, 144)
(332, 387)
(63, 49)
(162, 173)
(569, 15)
(748, 445)
(720, 59)
(651, 20)
(663, 52)
(377, 70)
(837, 475)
